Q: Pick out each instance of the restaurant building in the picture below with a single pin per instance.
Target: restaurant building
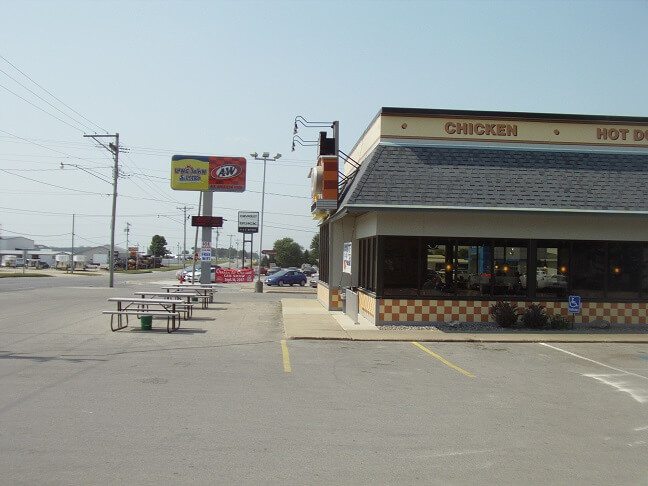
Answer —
(438, 214)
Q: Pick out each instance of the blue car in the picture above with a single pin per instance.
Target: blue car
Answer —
(286, 277)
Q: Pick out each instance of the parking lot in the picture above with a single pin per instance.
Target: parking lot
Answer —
(227, 399)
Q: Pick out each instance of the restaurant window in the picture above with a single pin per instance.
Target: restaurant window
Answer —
(367, 263)
(624, 270)
(552, 266)
(498, 269)
(436, 281)
(324, 254)
(401, 265)
(644, 271)
(588, 269)
(474, 267)
(510, 263)
(452, 268)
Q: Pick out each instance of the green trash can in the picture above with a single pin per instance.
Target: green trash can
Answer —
(146, 321)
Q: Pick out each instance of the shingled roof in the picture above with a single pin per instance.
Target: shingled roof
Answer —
(506, 179)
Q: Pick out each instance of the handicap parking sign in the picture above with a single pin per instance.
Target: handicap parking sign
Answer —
(574, 304)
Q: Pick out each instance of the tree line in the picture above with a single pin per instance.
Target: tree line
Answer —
(288, 253)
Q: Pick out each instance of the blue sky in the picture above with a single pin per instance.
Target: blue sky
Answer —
(228, 78)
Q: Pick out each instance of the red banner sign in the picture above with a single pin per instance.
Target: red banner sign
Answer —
(227, 275)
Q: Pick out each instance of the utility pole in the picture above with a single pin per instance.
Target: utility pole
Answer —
(72, 252)
(217, 235)
(127, 230)
(184, 220)
(114, 149)
(229, 252)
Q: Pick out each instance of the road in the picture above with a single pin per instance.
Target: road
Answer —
(226, 400)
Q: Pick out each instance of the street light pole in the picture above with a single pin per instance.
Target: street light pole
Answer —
(258, 286)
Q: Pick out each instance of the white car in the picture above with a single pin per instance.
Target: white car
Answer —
(314, 279)
(188, 277)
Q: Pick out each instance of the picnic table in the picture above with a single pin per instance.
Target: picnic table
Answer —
(203, 292)
(129, 306)
(187, 306)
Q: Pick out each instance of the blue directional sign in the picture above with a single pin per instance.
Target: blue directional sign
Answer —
(574, 304)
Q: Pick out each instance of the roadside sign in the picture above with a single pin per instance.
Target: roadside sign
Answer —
(207, 221)
(574, 304)
(268, 252)
(215, 174)
(248, 221)
(205, 251)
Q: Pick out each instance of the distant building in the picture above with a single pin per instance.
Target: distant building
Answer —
(100, 254)
(21, 248)
(16, 243)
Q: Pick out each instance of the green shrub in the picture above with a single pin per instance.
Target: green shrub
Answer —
(559, 323)
(505, 314)
(535, 317)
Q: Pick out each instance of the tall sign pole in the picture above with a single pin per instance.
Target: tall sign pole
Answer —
(205, 264)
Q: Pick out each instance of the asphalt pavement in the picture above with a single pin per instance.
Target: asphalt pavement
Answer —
(230, 399)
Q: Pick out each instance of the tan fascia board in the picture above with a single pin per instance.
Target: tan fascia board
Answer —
(369, 207)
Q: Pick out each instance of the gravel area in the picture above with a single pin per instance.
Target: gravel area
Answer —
(598, 327)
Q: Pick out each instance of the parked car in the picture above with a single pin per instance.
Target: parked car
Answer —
(273, 270)
(212, 277)
(308, 271)
(286, 277)
(314, 279)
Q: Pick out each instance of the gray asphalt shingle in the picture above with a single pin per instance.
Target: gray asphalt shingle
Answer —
(502, 178)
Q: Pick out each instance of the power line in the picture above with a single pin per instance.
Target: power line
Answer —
(46, 91)
(53, 185)
(41, 109)
(45, 147)
(44, 100)
(27, 234)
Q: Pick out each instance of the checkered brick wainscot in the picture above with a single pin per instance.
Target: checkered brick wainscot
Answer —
(336, 299)
(330, 298)
(367, 306)
(415, 310)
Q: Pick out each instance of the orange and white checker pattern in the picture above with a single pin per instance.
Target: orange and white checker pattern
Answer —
(414, 310)
(336, 299)
(367, 306)
(323, 295)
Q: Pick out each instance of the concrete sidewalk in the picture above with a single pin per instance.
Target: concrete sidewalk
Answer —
(307, 319)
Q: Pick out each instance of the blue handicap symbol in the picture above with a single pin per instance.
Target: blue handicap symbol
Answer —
(574, 303)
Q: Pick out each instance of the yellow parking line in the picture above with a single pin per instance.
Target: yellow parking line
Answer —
(443, 360)
(286, 356)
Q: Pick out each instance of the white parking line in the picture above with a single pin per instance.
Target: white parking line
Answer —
(595, 362)
(621, 381)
